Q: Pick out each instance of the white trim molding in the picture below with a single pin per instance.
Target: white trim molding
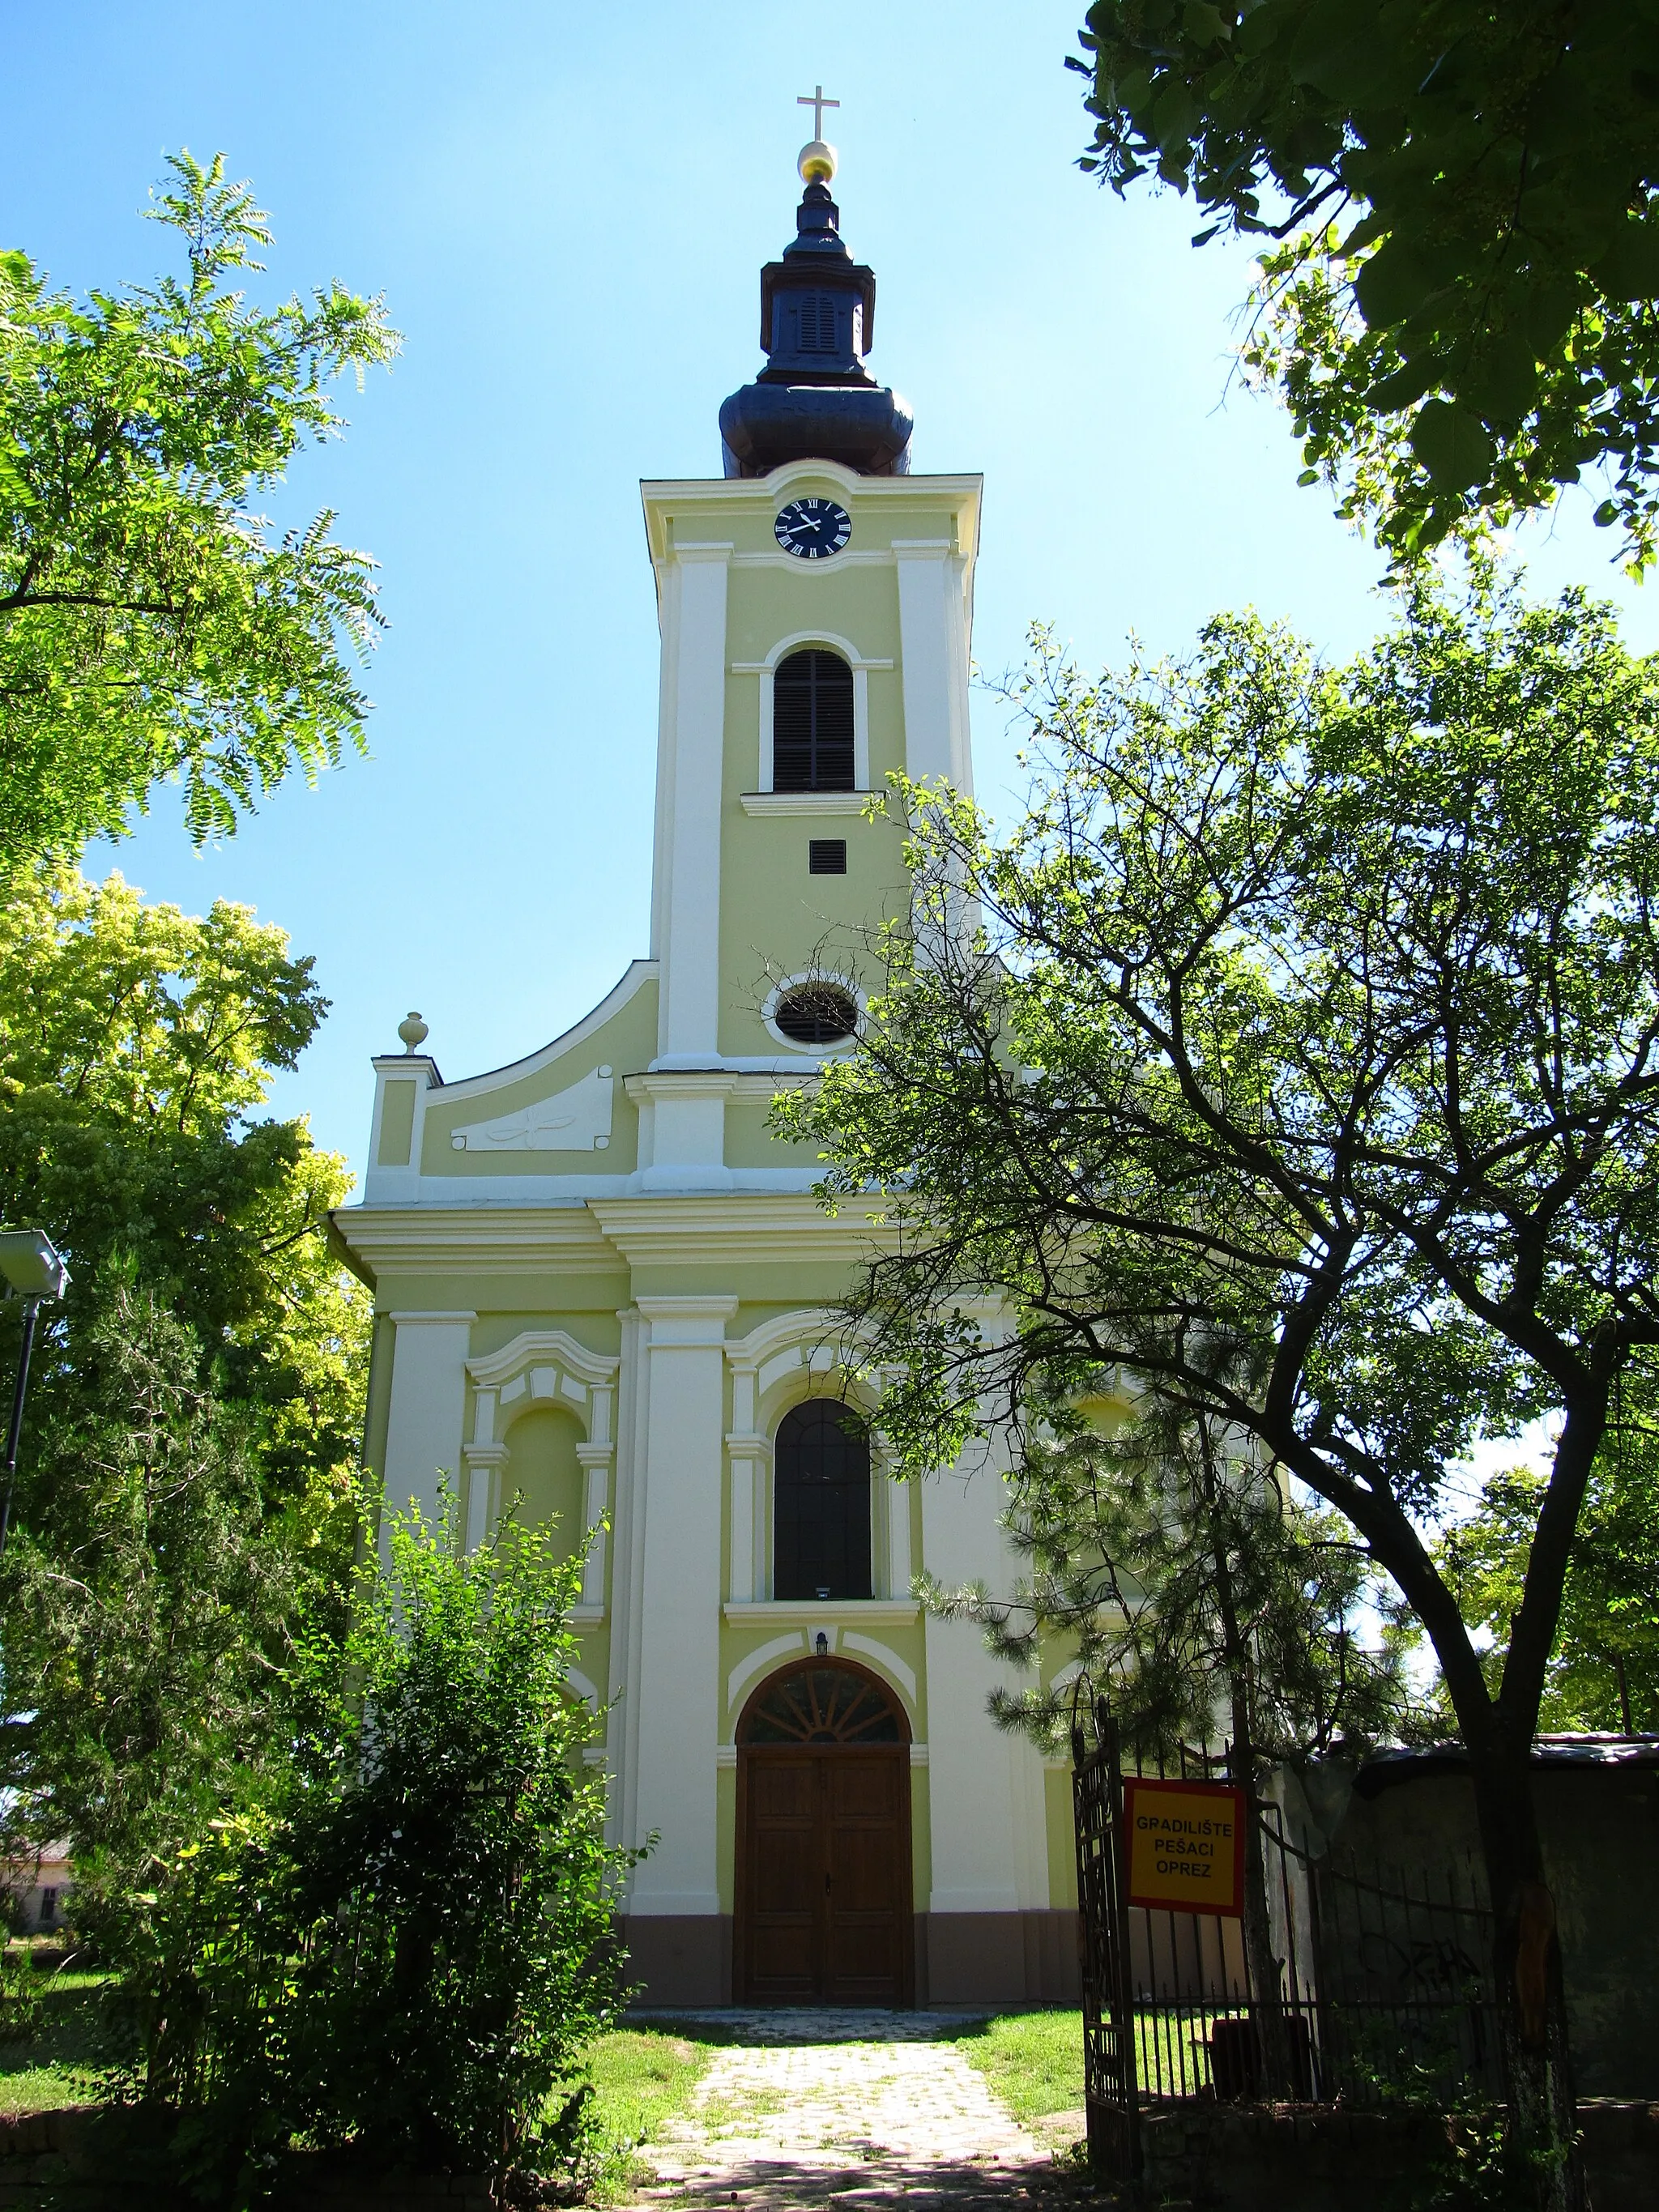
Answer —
(785, 646)
(806, 802)
(757, 1660)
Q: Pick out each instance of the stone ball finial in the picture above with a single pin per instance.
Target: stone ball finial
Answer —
(816, 162)
(413, 1032)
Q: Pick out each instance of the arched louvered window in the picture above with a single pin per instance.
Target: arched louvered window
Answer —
(812, 723)
(821, 1504)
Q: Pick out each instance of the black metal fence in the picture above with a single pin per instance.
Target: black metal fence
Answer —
(1383, 1979)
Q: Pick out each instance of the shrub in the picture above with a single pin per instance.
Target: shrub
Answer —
(408, 1952)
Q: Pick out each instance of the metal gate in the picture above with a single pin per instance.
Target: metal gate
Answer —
(1380, 1987)
(1110, 2089)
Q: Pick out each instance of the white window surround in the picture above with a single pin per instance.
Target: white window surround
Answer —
(544, 1367)
(793, 1356)
(769, 1007)
(860, 667)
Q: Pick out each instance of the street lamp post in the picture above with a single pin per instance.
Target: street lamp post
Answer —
(35, 1270)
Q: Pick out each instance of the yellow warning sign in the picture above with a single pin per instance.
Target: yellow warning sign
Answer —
(1184, 1845)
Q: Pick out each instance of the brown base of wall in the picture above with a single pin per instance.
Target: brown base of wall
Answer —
(961, 1959)
(679, 1959)
(996, 1959)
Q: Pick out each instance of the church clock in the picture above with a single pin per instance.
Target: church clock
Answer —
(811, 528)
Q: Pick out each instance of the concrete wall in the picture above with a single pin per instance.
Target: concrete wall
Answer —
(1600, 1835)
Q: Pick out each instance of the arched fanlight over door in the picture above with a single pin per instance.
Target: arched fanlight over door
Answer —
(821, 1504)
(829, 1703)
(813, 722)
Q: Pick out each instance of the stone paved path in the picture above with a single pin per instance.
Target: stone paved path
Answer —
(854, 2109)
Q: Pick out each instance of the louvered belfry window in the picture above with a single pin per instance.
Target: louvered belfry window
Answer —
(817, 322)
(812, 723)
(821, 1504)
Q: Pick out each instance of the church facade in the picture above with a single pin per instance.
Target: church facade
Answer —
(602, 1283)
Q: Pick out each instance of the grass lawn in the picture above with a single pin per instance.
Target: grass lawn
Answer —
(643, 2078)
(56, 2060)
(1034, 2062)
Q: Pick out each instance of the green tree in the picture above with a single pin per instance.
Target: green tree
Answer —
(195, 1412)
(1312, 1015)
(148, 1604)
(136, 1044)
(1458, 297)
(151, 625)
(1604, 1667)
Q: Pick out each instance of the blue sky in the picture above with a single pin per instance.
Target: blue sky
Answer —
(566, 209)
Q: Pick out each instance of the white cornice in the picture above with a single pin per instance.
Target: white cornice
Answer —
(692, 1305)
(710, 495)
(680, 1083)
(759, 1226)
(493, 1239)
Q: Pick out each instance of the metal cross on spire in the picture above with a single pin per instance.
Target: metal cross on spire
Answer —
(816, 101)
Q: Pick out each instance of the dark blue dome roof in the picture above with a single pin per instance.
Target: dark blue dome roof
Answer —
(815, 400)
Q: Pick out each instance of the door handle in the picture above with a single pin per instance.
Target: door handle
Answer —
(829, 1884)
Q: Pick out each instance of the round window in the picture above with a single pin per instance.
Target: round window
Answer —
(817, 1013)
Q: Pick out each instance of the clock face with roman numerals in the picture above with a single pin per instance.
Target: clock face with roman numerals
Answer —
(811, 529)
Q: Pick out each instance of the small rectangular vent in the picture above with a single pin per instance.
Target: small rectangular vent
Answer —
(826, 856)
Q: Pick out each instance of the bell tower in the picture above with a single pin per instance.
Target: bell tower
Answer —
(815, 603)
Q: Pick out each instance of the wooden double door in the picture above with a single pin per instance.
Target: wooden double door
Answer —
(824, 1874)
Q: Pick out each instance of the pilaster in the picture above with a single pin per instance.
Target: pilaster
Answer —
(690, 768)
(933, 631)
(985, 1788)
(679, 1602)
(428, 1406)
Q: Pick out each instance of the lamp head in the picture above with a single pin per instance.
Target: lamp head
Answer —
(32, 1264)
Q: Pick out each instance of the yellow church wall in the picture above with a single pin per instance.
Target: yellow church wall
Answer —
(726, 1833)
(1062, 1851)
(750, 1144)
(586, 1310)
(397, 1122)
(541, 1481)
(767, 605)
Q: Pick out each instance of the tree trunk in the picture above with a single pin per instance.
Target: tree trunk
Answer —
(1533, 2022)
(1264, 1968)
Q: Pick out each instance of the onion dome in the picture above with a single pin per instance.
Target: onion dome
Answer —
(815, 399)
